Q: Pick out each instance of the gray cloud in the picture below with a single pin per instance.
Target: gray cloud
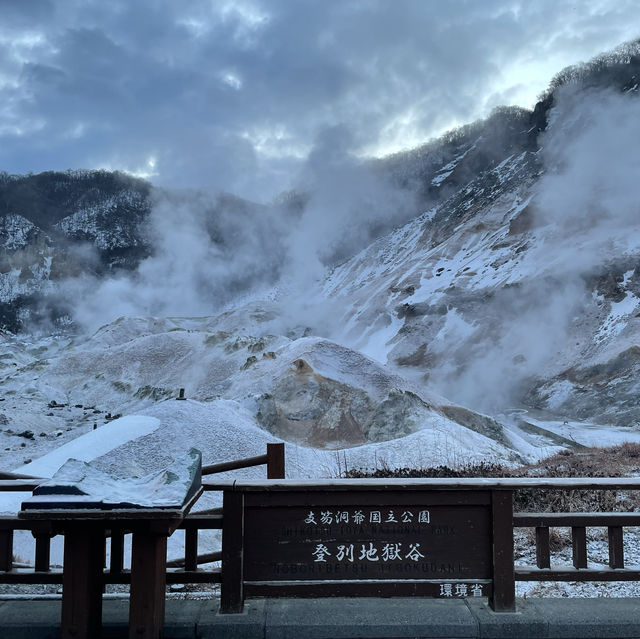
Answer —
(232, 94)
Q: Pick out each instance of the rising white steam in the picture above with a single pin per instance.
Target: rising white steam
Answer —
(587, 210)
(208, 251)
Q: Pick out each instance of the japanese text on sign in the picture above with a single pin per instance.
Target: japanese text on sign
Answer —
(326, 517)
(368, 552)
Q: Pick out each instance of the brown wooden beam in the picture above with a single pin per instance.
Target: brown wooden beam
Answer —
(616, 547)
(531, 520)
(205, 558)
(579, 546)
(82, 583)
(5, 475)
(275, 461)
(6, 550)
(531, 573)
(503, 598)
(234, 465)
(43, 552)
(232, 595)
(148, 584)
(203, 520)
(543, 555)
(191, 549)
(19, 485)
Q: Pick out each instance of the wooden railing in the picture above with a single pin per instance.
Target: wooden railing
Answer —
(496, 495)
(578, 522)
(188, 572)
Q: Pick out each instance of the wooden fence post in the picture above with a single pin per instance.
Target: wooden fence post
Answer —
(148, 584)
(504, 593)
(82, 581)
(191, 549)
(579, 546)
(232, 593)
(6, 549)
(616, 547)
(43, 552)
(543, 554)
(275, 461)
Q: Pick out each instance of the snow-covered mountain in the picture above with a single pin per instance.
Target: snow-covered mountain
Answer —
(476, 298)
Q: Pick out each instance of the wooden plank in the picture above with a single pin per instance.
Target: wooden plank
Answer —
(437, 542)
(531, 520)
(123, 517)
(191, 549)
(579, 546)
(207, 512)
(11, 522)
(504, 594)
(222, 467)
(6, 550)
(123, 577)
(195, 577)
(368, 498)
(82, 582)
(107, 517)
(560, 483)
(205, 558)
(616, 547)
(275, 461)
(148, 584)
(531, 573)
(19, 485)
(43, 552)
(231, 595)
(5, 475)
(30, 577)
(203, 521)
(543, 555)
(213, 576)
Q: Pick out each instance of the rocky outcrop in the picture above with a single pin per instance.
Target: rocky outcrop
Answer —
(606, 392)
(311, 409)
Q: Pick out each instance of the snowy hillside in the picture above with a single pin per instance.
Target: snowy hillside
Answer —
(473, 299)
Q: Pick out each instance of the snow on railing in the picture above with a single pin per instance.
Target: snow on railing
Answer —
(277, 525)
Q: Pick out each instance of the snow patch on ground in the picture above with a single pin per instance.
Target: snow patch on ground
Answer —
(618, 316)
(91, 445)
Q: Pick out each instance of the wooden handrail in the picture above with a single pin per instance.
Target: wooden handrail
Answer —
(207, 558)
(536, 520)
(315, 485)
(274, 459)
(5, 475)
(236, 492)
(222, 467)
(19, 485)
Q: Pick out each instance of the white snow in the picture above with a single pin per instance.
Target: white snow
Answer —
(618, 316)
(441, 177)
(559, 393)
(589, 434)
(94, 444)
(167, 488)
(375, 343)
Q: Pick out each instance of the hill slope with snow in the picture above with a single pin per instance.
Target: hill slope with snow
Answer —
(476, 298)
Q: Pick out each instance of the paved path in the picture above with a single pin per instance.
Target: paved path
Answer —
(362, 618)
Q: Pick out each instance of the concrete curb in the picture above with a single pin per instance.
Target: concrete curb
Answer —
(351, 618)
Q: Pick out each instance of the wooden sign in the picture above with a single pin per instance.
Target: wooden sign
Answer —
(440, 541)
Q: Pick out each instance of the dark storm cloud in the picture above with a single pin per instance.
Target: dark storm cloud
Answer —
(233, 94)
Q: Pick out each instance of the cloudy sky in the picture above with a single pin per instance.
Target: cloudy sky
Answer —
(234, 94)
